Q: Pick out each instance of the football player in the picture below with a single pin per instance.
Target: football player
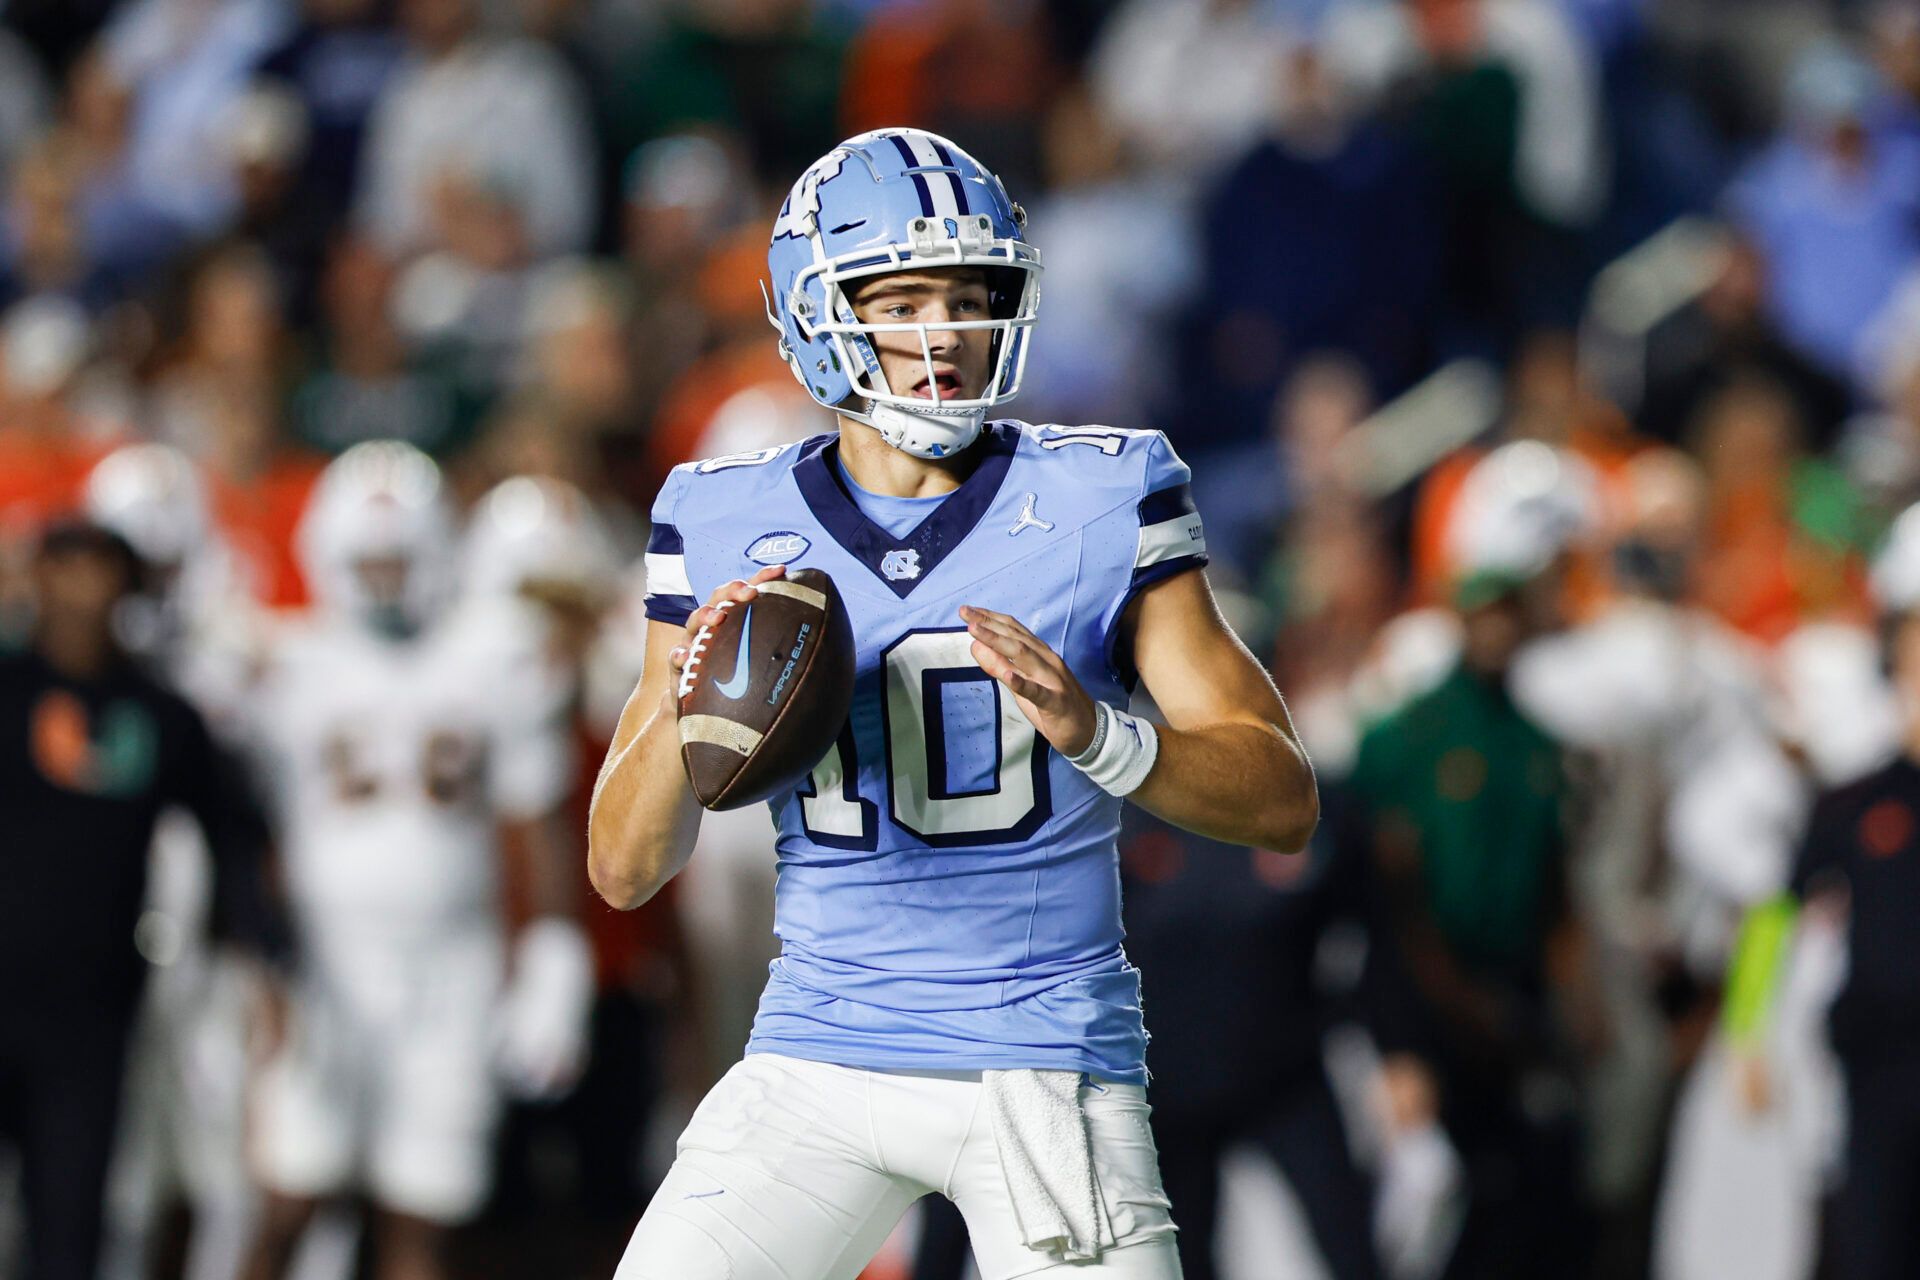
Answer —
(413, 745)
(952, 1010)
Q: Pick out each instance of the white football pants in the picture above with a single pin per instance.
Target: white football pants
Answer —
(795, 1170)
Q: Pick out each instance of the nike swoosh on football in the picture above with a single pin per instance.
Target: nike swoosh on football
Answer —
(736, 684)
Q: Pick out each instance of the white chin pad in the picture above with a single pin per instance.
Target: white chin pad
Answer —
(926, 434)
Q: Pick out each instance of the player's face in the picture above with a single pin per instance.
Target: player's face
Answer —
(383, 586)
(934, 297)
(383, 578)
(80, 586)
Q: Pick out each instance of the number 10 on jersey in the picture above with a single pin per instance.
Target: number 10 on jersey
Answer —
(962, 766)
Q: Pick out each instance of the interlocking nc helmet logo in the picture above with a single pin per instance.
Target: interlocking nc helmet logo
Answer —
(736, 685)
(1028, 520)
(901, 565)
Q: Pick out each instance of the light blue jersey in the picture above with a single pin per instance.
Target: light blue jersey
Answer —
(949, 892)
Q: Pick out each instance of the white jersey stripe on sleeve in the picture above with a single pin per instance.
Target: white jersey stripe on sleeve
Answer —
(667, 575)
(1170, 539)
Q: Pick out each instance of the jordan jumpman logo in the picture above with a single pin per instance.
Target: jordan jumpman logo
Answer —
(1028, 520)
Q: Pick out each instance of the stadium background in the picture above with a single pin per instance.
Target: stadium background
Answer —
(1338, 249)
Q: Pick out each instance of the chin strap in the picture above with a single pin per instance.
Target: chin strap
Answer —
(923, 434)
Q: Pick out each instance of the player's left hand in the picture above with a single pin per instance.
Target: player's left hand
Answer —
(1042, 686)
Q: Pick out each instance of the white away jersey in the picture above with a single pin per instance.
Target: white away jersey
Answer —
(393, 762)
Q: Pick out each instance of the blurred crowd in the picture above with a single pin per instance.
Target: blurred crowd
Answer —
(1550, 373)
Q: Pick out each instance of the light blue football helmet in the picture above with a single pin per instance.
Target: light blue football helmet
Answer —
(897, 200)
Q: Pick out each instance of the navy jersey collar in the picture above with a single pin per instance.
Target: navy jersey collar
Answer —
(934, 538)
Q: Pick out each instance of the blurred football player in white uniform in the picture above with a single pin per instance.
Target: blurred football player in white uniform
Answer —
(1691, 814)
(1691, 818)
(539, 557)
(413, 744)
(181, 1132)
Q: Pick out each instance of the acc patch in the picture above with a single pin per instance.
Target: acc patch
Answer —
(777, 548)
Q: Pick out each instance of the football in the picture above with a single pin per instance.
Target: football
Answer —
(765, 690)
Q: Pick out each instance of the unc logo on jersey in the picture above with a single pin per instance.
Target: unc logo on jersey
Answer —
(900, 565)
(783, 547)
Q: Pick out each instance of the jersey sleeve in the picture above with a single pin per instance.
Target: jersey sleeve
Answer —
(669, 593)
(1169, 539)
(1172, 539)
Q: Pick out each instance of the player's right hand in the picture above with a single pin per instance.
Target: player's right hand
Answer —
(710, 613)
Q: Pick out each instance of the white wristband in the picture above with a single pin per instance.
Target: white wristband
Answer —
(1122, 752)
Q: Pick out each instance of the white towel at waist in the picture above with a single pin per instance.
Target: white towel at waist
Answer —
(1041, 1134)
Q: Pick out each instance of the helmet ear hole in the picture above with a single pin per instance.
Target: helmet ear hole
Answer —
(1006, 286)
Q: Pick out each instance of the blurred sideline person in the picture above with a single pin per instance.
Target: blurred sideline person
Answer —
(1228, 939)
(95, 749)
(1462, 803)
(1859, 868)
(181, 1145)
(952, 1011)
(413, 743)
(1689, 806)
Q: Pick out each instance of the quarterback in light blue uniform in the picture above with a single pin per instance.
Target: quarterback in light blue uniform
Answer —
(948, 899)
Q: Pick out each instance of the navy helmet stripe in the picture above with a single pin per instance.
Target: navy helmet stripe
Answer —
(919, 181)
(925, 193)
(924, 157)
(959, 188)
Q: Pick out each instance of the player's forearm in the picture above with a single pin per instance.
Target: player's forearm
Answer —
(641, 828)
(1239, 783)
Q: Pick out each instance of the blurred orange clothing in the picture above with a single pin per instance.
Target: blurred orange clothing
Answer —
(1607, 452)
(696, 395)
(259, 516)
(938, 63)
(41, 477)
(1765, 574)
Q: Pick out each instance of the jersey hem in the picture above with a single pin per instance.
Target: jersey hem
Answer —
(947, 1062)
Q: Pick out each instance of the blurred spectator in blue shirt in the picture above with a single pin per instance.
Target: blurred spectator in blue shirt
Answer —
(73, 225)
(479, 145)
(1191, 83)
(1834, 207)
(1099, 353)
(338, 61)
(184, 62)
(1322, 236)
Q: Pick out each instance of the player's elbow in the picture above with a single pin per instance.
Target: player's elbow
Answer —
(617, 871)
(1292, 813)
(1292, 824)
(616, 881)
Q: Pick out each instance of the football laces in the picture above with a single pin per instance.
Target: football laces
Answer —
(697, 650)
